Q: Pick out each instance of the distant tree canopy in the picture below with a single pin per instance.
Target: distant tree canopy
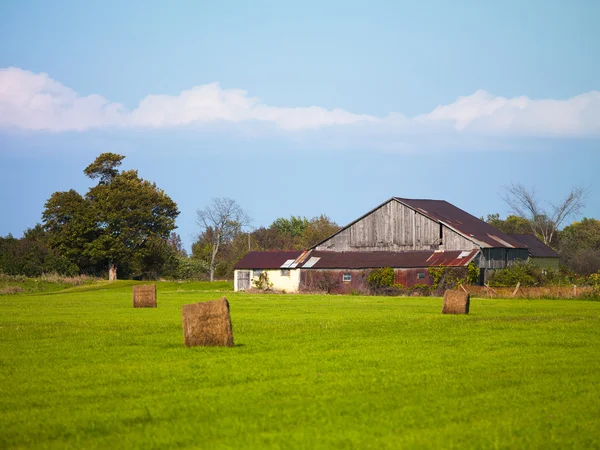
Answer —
(580, 246)
(124, 221)
(511, 225)
(294, 233)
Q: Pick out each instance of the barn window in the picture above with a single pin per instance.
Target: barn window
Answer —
(347, 277)
(421, 275)
(256, 272)
(285, 272)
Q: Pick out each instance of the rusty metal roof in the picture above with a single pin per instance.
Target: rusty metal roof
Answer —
(461, 221)
(536, 247)
(370, 260)
(356, 260)
(267, 260)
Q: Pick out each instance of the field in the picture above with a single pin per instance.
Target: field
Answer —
(81, 368)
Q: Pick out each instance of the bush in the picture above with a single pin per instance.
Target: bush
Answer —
(263, 283)
(520, 272)
(445, 278)
(381, 279)
(327, 282)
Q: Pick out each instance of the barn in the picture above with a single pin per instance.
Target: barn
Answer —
(409, 235)
(540, 254)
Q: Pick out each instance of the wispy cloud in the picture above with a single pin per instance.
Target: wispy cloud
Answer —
(37, 102)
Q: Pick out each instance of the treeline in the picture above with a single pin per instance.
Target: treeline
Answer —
(124, 227)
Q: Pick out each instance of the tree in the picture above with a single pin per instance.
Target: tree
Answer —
(580, 246)
(117, 224)
(318, 229)
(104, 167)
(221, 220)
(511, 225)
(129, 212)
(544, 221)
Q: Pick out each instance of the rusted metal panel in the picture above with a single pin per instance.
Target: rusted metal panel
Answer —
(313, 280)
(366, 260)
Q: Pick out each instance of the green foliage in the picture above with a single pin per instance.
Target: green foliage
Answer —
(82, 369)
(472, 274)
(262, 282)
(124, 220)
(580, 246)
(511, 225)
(15, 284)
(104, 167)
(381, 278)
(451, 277)
(519, 272)
(436, 274)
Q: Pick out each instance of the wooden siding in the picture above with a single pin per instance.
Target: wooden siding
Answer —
(391, 227)
(454, 241)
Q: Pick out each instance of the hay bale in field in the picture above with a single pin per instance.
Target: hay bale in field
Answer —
(144, 296)
(207, 324)
(456, 302)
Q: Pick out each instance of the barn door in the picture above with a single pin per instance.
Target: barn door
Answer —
(243, 280)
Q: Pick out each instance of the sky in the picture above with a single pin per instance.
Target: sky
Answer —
(301, 108)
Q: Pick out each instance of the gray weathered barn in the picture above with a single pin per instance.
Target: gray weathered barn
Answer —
(406, 234)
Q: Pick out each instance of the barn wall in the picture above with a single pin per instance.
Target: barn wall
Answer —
(546, 263)
(500, 258)
(391, 227)
(288, 283)
(454, 241)
(312, 280)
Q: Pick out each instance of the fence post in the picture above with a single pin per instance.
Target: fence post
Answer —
(574, 290)
(516, 289)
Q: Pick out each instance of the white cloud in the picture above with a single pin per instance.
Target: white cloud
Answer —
(37, 102)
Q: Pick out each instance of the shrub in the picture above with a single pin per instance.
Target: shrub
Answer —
(327, 282)
(520, 272)
(263, 282)
(422, 290)
(379, 279)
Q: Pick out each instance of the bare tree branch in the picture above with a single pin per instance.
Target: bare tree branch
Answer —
(225, 218)
(544, 221)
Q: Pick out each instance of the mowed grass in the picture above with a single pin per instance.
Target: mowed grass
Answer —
(83, 369)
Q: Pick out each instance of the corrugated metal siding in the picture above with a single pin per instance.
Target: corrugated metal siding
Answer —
(410, 277)
(500, 258)
(546, 263)
(309, 279)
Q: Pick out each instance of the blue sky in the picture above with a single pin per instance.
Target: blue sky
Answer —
(316, 107)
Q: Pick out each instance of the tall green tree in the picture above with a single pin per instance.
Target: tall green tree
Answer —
(119, 223)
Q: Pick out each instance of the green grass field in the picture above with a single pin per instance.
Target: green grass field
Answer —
(82, 369)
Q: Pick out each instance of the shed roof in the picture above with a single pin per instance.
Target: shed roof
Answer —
(266, 260)
(371, 260)
(536, 247)
(355, 260)
(461, 221)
